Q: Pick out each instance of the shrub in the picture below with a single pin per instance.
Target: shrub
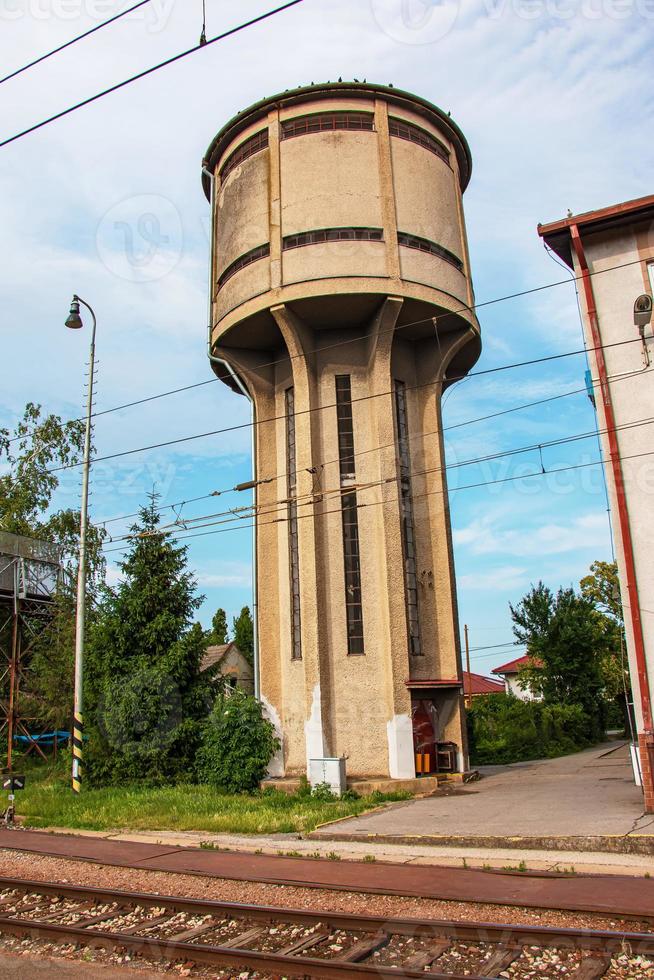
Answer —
(504, 729)
(237, 743)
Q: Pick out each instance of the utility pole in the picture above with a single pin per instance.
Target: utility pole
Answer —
(467, 700)
(74, 321)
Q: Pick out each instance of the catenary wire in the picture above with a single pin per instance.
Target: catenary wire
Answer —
(149, 71)
(468, 486)
(338, 490)
(277, 418)
(403, 326)
(363, 452)
(74, 40)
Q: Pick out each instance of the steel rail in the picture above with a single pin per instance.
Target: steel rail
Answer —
(502, 935)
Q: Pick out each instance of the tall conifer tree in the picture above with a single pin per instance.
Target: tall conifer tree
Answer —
(146, 697)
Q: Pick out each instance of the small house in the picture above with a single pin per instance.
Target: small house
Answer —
(231, 664)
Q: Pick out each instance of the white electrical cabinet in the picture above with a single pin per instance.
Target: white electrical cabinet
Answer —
(329, 771)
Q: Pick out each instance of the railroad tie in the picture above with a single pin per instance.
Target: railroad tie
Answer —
(309, 942)
(102, 917)
(501, 958)
(147, 923)
(425, 958)
(183, 937)
(246, 937)
(365, 947)
(53, 916)
(593, 967)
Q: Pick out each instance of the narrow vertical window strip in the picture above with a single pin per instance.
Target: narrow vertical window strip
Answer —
(293, 547)
(350, 518)
(408, 530)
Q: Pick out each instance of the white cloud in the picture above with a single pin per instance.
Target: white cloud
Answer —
(486, 536)
(224, 575)
(503, 578)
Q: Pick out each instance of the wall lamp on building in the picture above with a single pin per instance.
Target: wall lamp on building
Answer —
(643, 319)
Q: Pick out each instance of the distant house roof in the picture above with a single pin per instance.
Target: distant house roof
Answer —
(478, 684)
(513, 666)
(214, 654)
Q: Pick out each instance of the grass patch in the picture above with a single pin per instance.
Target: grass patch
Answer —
(48, 801)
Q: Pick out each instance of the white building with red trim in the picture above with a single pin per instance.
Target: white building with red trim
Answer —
(611, 252)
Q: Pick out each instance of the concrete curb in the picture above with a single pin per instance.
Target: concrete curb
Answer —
(611, 844)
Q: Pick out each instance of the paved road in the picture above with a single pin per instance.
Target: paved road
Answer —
(590, 793)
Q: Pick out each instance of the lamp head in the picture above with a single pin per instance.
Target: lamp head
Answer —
(643, 310)
(74, 320)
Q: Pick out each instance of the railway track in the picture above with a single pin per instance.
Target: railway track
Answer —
(293, 943)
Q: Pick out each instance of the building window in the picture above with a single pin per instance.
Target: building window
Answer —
(415, 134)
(260, 252)
(293, 549)
(408, 529)
(349, 511)
(320, 122)
(425, 245)
(333, 235)
(247, 149)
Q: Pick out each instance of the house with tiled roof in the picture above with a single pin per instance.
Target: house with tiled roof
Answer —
(476, 685)
(510, 674)
(226, 660)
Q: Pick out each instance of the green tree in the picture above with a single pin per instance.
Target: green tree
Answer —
(602, 587)
(47, 694)
(30, 456)
(565, 640)
(243, 633)
(146, 696)
(30, 460)
(532, 616)
(237, 744)
(218, 632)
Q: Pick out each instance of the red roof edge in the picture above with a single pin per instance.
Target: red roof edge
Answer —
(478, 684)
(556, 233)
(513, 666)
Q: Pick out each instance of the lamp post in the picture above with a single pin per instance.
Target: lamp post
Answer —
(74, 321)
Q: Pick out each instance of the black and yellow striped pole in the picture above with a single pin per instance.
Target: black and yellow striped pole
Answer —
(78, 729)
(75, 321)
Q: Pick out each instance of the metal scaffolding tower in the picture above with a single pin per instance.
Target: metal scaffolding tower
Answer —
(30, 572)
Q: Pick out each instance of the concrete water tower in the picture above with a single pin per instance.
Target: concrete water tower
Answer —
(341, 302)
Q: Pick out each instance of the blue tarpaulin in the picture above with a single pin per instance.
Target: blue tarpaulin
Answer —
(46, 738)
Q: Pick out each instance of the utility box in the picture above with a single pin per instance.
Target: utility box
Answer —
(330, 771)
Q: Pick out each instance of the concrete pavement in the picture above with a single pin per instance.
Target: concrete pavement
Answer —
(585, 801)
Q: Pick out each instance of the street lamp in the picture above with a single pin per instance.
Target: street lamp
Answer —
(74, 321)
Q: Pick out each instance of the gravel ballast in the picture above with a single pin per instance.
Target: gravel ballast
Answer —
(79, 873)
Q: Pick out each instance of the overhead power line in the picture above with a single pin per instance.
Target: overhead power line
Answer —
(239, 513)
(496, 646)
(377, 503)
(321, 408)
(149, 71)
(237, 519)
(356, 339)
(74, 40)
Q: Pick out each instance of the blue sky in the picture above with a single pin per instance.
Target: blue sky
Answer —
(555, 98)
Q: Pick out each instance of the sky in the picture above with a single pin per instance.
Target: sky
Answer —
(556, 100)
